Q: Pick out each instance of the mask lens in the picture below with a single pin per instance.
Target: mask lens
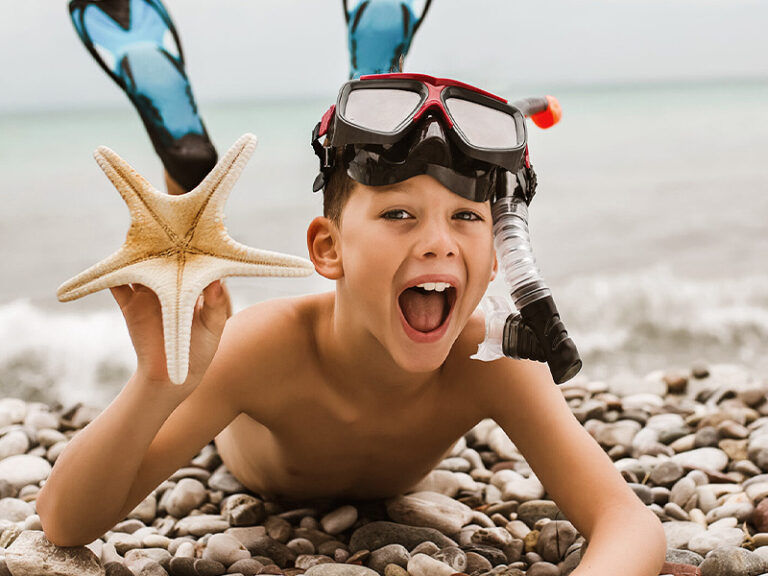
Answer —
(380, 109)
(482, 126)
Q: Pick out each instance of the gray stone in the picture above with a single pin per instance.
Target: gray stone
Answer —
(124, 542)
(15, 510)
(682, 491)
(732, 561)
(390, 554)
(493, 555)
(431, 510)
(642, 491)
(339, 520)
(278, 552)
(129, 526)
(182, 566)
(677, 556)
(620, 433)
(301, 546)
(666, 473)
(205, 567)
(427, 548)
(247, 567)
(499, 442)
(529, 512)
(226, 549)
(199, 474)
(378, 534)
(554, 539)
(23, 469)
(476, 563)
(543, 569)
(222, 479)
(145, 510)
(339, 570)
(31, 554)
(305, 561)
(117, 569)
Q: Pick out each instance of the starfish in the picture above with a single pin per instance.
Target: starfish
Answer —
(177, 245)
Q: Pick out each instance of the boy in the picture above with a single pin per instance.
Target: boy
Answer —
(350, 377)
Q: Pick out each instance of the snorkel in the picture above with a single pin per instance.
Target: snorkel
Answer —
(475, 144)
(534, 331)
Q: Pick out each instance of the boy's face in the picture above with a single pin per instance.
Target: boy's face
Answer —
(417, 259)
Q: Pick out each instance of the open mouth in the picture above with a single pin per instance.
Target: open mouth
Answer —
(427, 306)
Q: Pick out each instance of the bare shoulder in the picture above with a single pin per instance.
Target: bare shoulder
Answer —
(267, 343)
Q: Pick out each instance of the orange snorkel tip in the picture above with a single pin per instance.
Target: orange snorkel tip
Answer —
(550, 116)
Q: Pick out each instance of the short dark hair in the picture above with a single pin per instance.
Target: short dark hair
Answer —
(337, 191)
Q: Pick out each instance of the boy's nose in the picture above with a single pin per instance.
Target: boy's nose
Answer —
(436, 240)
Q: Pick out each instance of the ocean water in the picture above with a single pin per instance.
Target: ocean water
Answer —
(649, 225)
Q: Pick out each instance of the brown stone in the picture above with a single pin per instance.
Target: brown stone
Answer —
(680, 569)
(530, 541)
(760, 516)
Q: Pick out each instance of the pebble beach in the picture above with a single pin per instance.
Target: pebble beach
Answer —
(692, 444)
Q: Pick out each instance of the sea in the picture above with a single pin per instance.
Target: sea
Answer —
(650, 225)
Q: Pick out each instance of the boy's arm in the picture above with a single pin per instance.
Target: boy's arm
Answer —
(622, 533)
(151, 429)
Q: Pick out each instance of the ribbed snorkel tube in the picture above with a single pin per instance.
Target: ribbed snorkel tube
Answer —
(536, 331)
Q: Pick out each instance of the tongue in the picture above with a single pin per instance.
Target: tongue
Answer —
(422, 310)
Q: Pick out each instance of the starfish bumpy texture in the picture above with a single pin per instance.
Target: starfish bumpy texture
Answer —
(177, 245)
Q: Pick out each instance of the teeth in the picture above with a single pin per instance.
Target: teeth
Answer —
(436, 286)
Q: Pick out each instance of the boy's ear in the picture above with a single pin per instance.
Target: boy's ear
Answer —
(495, 267)
(323, 247)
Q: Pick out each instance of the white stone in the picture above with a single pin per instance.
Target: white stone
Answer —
(423, 565)
(47, 437)
(38, 419)
(186, 550)
(707, 541)
(339, 520)
(523, 489)
(707, 458)
(201, 524)
(724, 523)
(24, 469)
(442, 481)
(15, 510)
(145, 510)
(757, 491)
(518, 529)
(679, 533)
(12, 411)
(661, 422)
(500, 443)
(642, 401)
(225, 549)
(13, 443)
(187, 495)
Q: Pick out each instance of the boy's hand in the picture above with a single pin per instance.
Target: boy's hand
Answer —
(143, 316)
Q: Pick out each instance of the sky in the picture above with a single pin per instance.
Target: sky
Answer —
(243, 50)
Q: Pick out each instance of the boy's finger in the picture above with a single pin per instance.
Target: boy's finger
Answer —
(213, 313)
(121, 294)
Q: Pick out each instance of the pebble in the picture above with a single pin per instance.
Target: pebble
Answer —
(187, 495)
(339, 570)
(531, 511)
(732, 561)
(707, 541)
(430, 509)
(13, 443)
(222, 479)
(377, 534)
(22, 469)
(554, 540)
(390, 554)
(705, 458)
(679, 533)
(15, 510)
(225, 549)
(423, 565)
(441, 481)
(31, 554)
(340, 519)
(201, 524)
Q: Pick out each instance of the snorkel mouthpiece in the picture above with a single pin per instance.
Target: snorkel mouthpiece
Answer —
(536, 331)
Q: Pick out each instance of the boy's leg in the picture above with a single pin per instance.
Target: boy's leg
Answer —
(380, 33)
(136, 43)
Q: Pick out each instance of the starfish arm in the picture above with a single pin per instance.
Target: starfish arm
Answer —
(131, 185)
(115, 270)
(243, 260)
(214, 190)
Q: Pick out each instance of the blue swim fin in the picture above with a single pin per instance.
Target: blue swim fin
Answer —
(380, 34)
(136, 43)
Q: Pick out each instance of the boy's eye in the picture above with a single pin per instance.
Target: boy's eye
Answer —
(467, 215)
(397, 214)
